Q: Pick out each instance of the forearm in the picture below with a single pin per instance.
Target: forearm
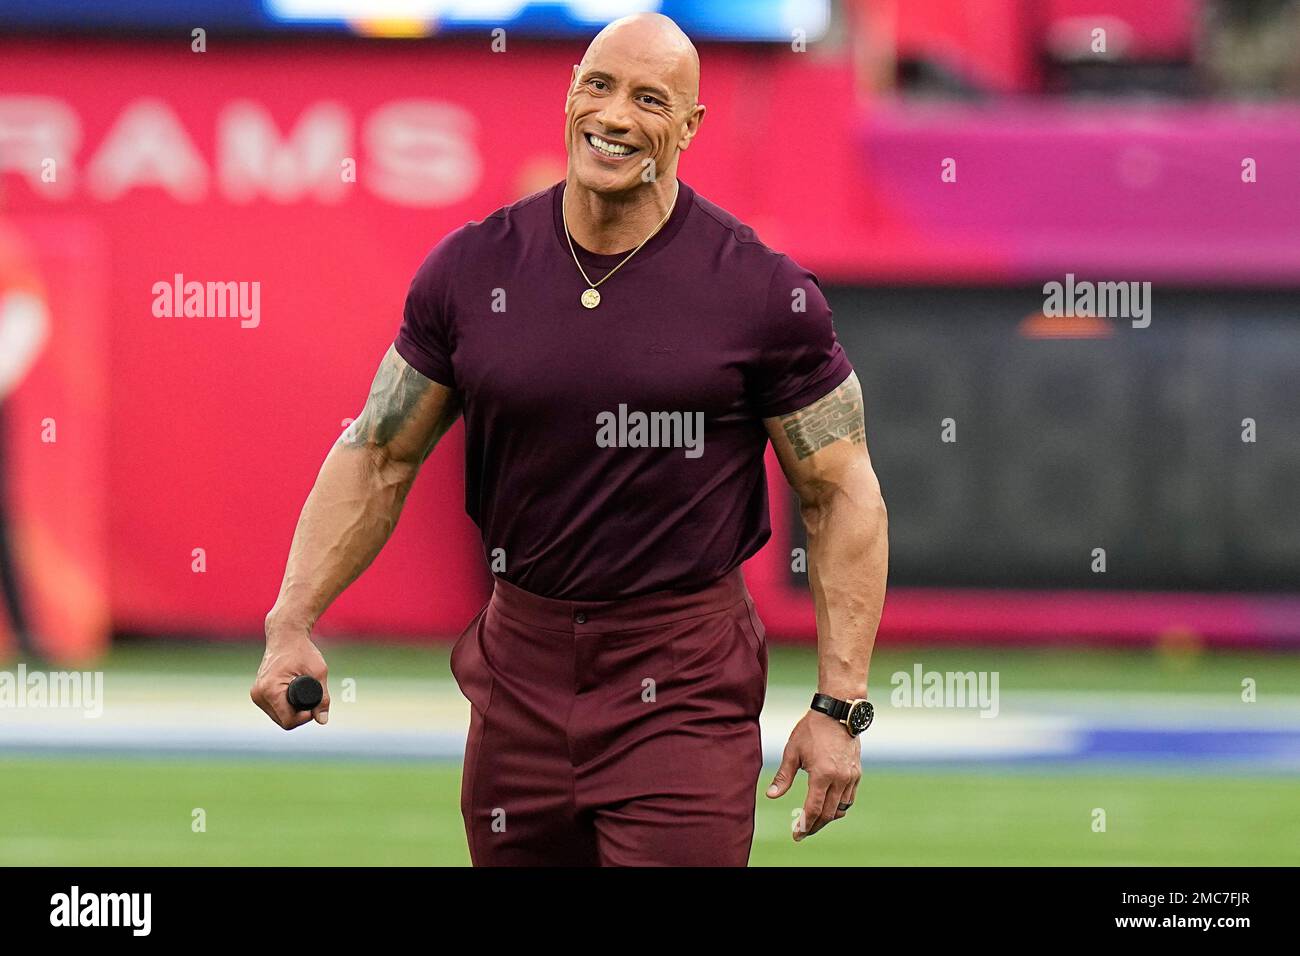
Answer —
(358, 495)
(848, 561)
(348, 517)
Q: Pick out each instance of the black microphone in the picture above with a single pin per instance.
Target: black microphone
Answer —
(304, 693)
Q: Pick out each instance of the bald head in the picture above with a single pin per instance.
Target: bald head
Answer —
(633, 104)
(655, 41)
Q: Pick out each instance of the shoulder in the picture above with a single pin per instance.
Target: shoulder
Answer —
(484, 240)
(786, 301)
(518, 218)
(727, 229)
(765, 267)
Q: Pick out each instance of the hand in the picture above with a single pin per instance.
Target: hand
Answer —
(832, 759)
(289, 653)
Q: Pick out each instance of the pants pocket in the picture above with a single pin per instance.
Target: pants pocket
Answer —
(751, 625)
(469, 666)
(754, 629)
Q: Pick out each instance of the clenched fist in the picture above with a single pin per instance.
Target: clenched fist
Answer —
(289, 653)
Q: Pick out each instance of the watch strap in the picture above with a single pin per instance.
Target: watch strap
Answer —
(831, 706)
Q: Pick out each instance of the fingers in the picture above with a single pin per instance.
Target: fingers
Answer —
(785, 773)
(273, 678)
(321, 713)
(287, 717)
(830, 808)
(833, 763)
(828, 791)
(810, 816)
(270, 697)
(850, 795)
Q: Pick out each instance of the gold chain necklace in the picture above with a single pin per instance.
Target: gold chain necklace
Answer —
(591, 298)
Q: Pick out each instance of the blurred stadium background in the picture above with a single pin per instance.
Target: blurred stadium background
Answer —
(935, 162)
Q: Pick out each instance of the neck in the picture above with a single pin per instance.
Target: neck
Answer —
(609, 223)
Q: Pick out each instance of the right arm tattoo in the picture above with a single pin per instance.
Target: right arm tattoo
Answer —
(394, 393)
(405, 414)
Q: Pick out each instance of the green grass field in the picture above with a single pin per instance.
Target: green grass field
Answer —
(106, 810)
(100, 811)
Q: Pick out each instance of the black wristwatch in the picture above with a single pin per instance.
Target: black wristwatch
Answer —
(855, 715)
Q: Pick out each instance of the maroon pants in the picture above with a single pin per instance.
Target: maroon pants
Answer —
(616, 733)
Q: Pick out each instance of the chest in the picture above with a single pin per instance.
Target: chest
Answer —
(660, 339)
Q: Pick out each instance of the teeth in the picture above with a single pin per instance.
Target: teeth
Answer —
(612, 149)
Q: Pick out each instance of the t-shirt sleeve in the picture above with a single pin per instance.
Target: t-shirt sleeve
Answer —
(426, 338)
(799, 360)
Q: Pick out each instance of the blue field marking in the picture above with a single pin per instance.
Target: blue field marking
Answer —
(1269, 746)
(1202, 750)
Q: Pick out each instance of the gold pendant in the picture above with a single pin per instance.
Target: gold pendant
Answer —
(591, 298)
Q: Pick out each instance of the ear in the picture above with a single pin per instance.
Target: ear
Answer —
(691, 126)
(573, 80)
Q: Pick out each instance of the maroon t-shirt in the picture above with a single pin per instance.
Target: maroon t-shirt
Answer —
(585, 459)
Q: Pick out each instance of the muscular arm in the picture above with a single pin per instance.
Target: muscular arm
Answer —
(359, 492)
(349, 515)
(823, 452)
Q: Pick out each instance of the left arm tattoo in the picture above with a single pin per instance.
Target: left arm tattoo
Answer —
(837, 416)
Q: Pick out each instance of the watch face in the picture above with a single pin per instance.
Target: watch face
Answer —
(860, 716)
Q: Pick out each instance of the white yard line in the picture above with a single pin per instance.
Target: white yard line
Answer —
(427, 718)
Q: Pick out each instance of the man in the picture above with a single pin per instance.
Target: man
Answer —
(24, 327)
(622, 350)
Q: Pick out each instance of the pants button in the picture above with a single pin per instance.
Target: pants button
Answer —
(580, 618)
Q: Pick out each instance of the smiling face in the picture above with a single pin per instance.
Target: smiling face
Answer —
(632, 104)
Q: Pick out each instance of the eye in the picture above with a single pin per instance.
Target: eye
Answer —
(599, 85)
(651, 100)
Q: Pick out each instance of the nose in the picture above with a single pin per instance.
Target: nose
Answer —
(615, 114)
